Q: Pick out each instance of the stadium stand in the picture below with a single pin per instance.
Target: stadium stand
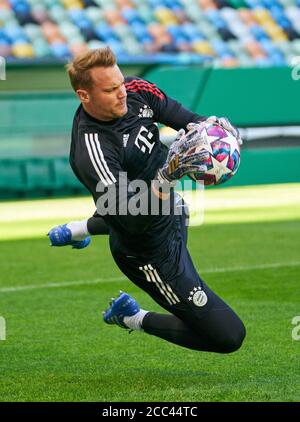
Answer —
(206, 52)
(35, 127)
(229, 32)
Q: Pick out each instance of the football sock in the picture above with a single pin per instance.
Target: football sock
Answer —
(134, 322)
(78, 229)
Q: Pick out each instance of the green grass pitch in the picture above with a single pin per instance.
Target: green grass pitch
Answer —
(58, 349)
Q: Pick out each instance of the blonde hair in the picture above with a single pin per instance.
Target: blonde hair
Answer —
(79, 69)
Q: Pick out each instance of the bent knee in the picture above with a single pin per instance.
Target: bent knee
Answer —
(233, 341)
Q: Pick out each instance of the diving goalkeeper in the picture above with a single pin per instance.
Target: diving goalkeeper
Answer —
(115, 142)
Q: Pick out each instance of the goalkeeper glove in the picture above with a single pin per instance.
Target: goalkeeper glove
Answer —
(181, 161)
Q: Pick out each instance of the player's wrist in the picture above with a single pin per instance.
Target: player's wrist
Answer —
(78, 229)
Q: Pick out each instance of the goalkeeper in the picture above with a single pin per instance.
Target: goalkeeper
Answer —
(115, 141)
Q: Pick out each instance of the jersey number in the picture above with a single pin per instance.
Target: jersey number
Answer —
(142, 140)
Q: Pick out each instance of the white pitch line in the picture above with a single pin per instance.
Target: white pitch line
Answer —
(116, 279)
(63, 284)
(251, 267)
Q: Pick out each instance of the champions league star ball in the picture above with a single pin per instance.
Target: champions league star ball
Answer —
(224, 155)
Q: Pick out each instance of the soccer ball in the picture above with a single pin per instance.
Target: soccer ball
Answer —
(224, 155)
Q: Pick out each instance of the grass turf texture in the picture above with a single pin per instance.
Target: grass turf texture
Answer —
(58, 348)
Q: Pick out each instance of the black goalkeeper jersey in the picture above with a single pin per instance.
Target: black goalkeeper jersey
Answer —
(101, 151)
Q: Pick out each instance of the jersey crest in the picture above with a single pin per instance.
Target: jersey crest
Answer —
(146, 112)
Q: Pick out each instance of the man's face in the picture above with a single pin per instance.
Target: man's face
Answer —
(106, 100)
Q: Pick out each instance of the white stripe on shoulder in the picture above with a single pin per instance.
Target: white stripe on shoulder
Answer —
(103, 160)
(98, 160)
(86, 137)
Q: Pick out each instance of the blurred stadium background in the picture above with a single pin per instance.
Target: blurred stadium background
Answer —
(238, 58)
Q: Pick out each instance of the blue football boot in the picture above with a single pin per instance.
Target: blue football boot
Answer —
(119, 308)
(62, 236)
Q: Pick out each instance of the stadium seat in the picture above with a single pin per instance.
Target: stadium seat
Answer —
(12, 175)
(59, 29)
(39, 174)
(64, 177)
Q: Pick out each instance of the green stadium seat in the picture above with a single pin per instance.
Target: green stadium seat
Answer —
(64, 177)
(39, 174)
(237, 3)
(12, 175)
